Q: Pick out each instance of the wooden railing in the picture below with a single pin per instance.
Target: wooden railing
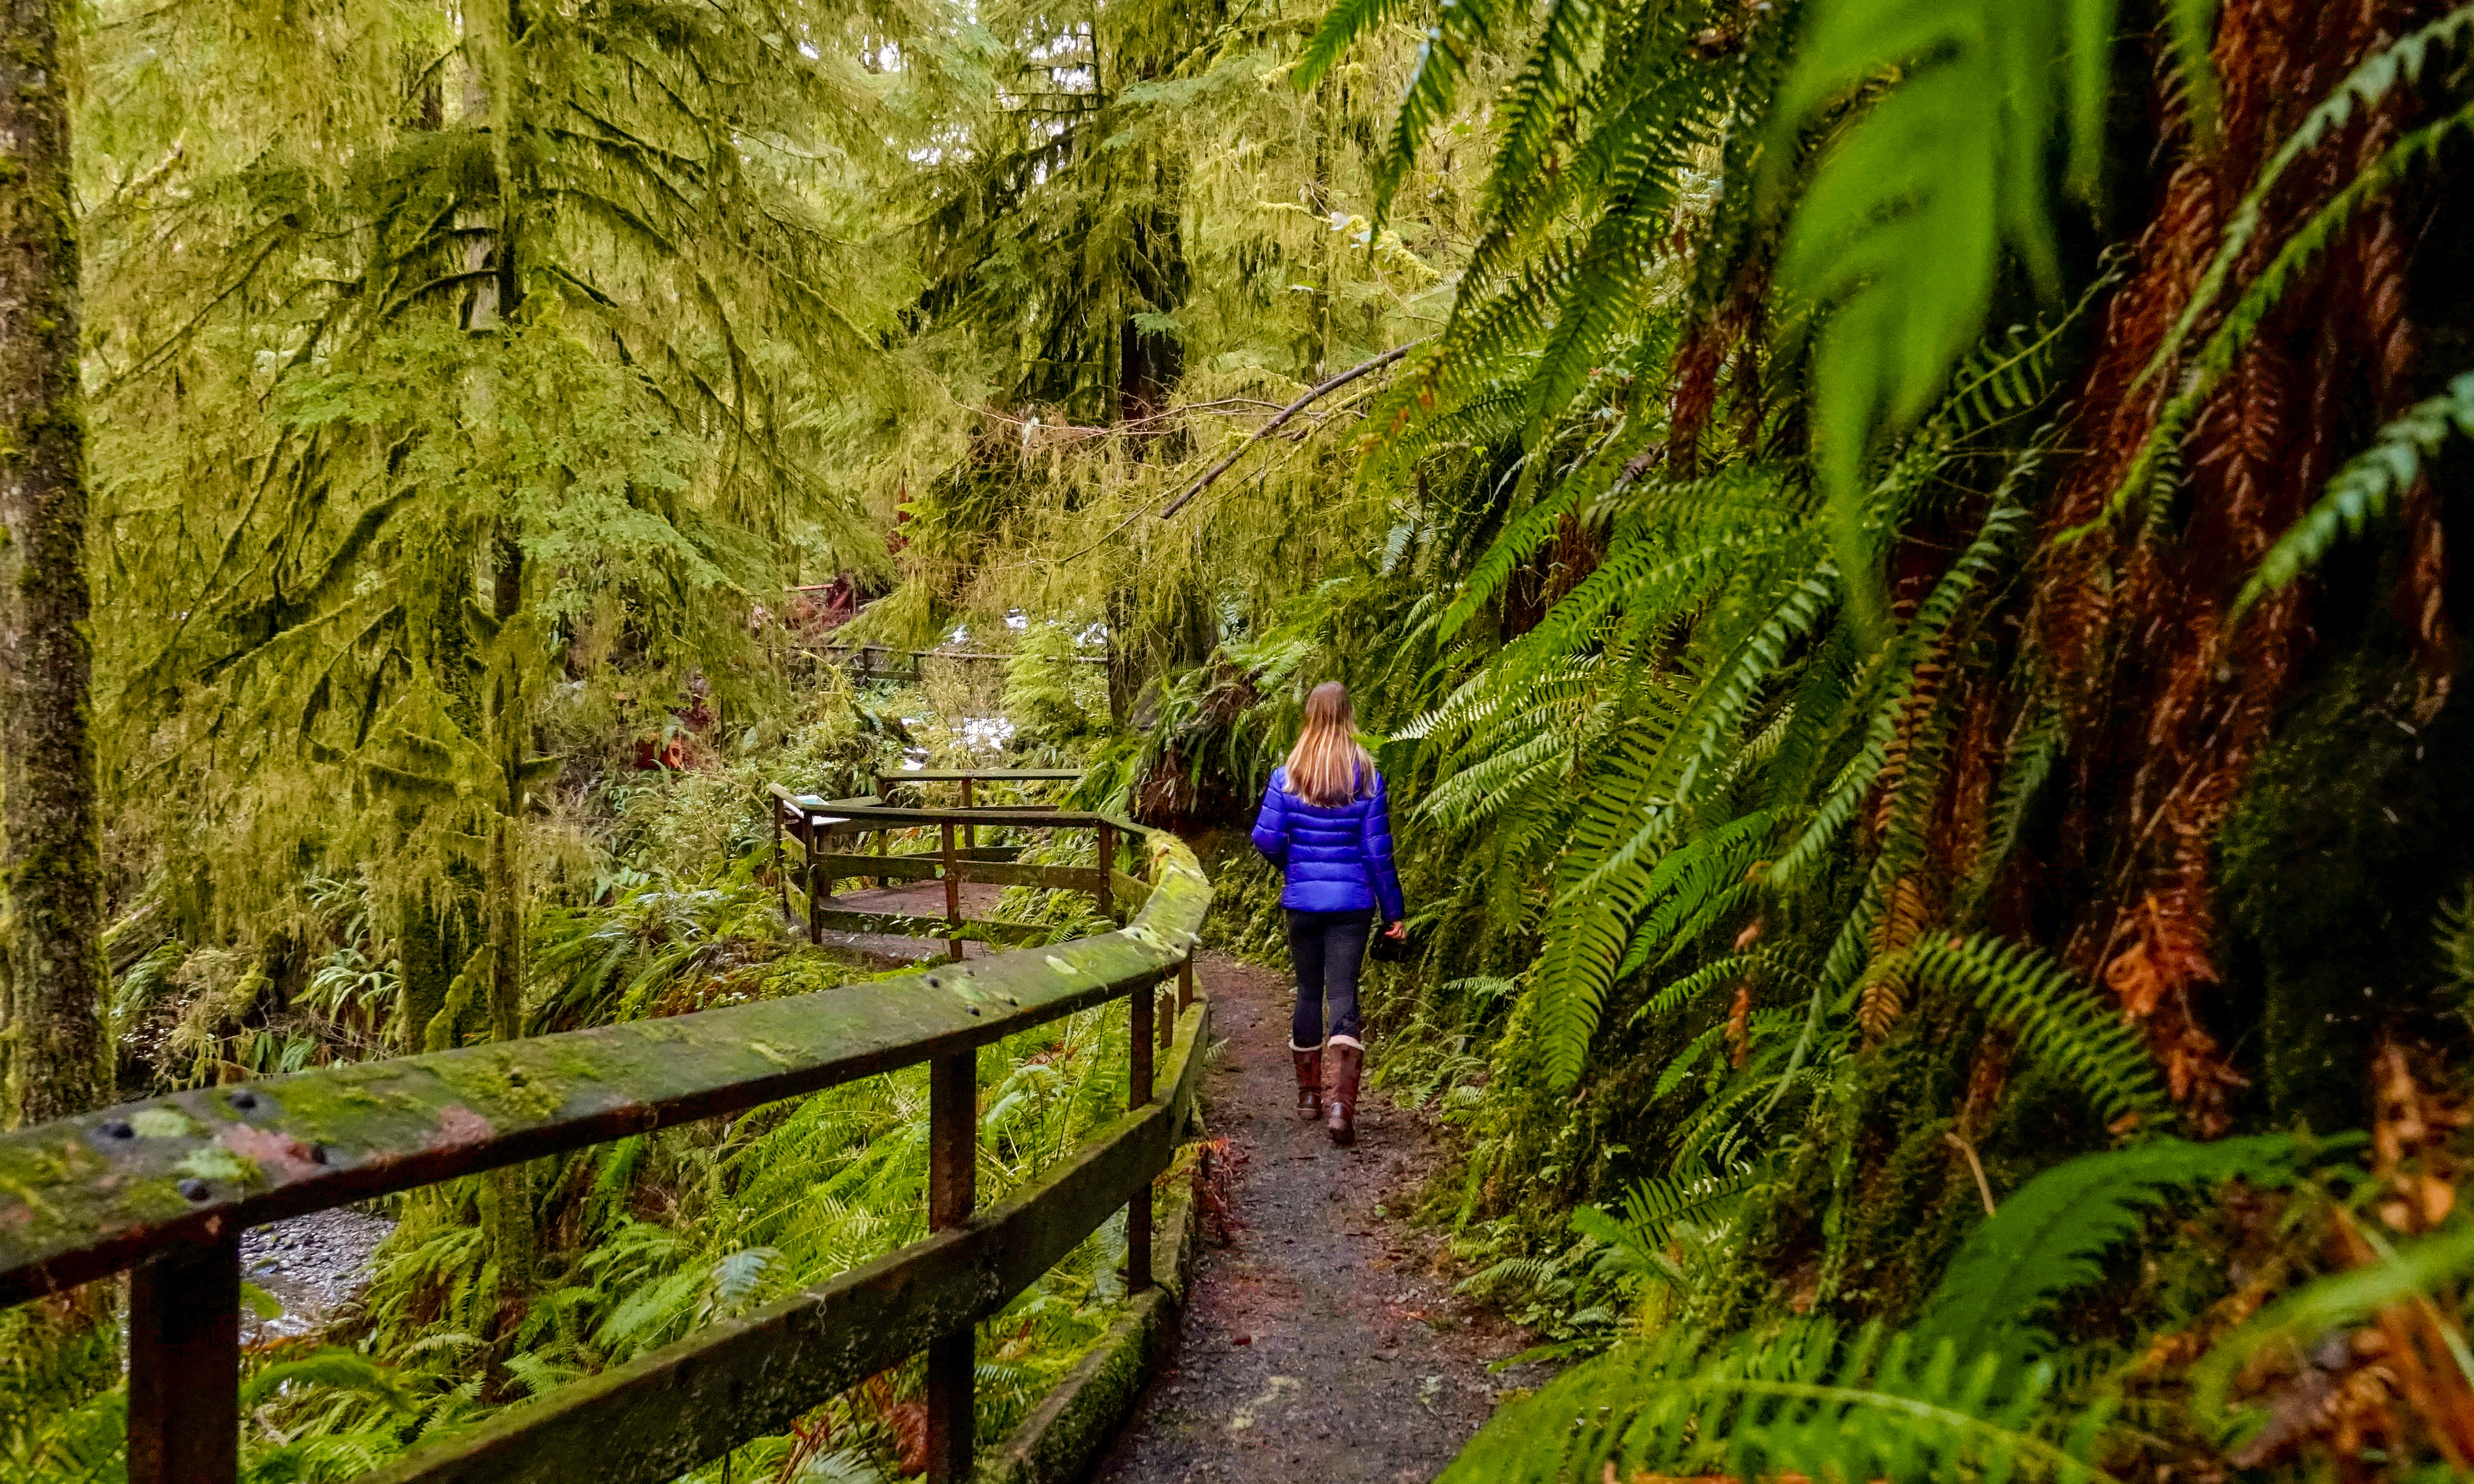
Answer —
(820, 824)
(166, 1188)
(869, 661)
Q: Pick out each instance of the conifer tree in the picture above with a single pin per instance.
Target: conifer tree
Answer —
(479, 350)
(51, 957)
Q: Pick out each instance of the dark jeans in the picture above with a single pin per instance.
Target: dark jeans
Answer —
(1329, 949)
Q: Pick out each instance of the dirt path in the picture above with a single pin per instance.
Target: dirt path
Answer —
(1321, 1346)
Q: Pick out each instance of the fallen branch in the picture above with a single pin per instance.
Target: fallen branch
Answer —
(1281, 420)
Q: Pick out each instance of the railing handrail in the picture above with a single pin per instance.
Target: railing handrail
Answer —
(897, 817)
(166, 1180)
(958, 653)
(658, 1417)
(979, 775)
(814, 821)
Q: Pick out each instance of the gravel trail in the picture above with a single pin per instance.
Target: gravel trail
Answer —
(1324, 1345)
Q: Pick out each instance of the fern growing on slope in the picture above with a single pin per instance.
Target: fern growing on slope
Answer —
(2369, 485)
(1811, 1400)
(2059, 1020)
(2398, 65)
(1966, 1393)
(2049, 1235)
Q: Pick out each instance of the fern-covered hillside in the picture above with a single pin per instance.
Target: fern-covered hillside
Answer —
(1900, 561)
(1903, 563)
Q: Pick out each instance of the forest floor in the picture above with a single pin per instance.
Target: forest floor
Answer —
(1324, 1343)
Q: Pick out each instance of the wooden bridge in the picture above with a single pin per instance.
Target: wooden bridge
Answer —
(163, 1189)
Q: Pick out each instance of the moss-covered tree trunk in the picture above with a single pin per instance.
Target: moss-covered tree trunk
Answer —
(510, 736)
(52, 976)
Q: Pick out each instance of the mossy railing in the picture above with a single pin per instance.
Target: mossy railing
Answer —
(165, 1188)
(819, 825)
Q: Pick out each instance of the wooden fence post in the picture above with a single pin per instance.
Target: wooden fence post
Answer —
(780, 860)
(953, 1187)
(815, 909)
(883, 797)
(185, 1365)
(1174, 1009)
(1138, 1092)
(953, 898)
(1108, 863)
(970, 832)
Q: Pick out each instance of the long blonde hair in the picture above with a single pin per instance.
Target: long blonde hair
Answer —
(1327, 768)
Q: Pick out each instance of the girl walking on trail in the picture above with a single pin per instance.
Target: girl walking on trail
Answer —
(1326, 824)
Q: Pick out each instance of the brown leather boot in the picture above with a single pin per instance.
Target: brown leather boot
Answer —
(1309, 1081)
(1347, 1060)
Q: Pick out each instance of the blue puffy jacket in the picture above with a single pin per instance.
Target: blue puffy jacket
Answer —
(1337, 860)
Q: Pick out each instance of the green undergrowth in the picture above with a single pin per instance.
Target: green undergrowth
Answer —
(1769, 1229)
(494, 1290)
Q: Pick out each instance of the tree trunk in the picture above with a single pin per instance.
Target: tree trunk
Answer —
(1123, 678)
(509, 730)
(51, 975)
(432, 946)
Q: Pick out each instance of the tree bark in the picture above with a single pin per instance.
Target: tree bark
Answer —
(1123, 677)
(430, 947)
(52, 974)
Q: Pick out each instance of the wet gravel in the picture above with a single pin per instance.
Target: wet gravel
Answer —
(1326, 1343)
(311, 1265)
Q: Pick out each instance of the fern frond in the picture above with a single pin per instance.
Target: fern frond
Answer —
(1690, 1057)
(2051, 1235)
(1716, 909)
(1898, 237)
(1531, 112)
(1699, 881)
(1617, 268)
(1729, 693)
(1645, 88)
(1763, 962)
(1590, 925)
(1346, 24)
(2216, 357)
(2366, 487)
(1650, 1210)
(2373, 79)
(2192, 25)
(1609, 872)
(1498, 780)
(1461, 31)
(2024, 773)
(1881, 1000)
(2061, 1023)
(1810, 1401)
(1656, 569)
(1531, 529)
(2003, 524)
